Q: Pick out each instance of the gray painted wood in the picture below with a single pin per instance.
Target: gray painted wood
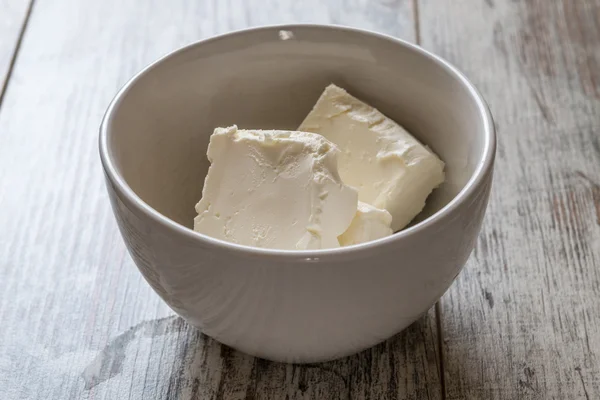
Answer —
(523, 319)
(78, 321)
(13, 14)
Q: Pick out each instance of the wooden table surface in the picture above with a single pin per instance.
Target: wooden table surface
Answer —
(522, 321)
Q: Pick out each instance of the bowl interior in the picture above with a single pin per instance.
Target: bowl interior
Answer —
(159, 127)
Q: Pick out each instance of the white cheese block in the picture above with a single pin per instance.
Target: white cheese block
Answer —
(369, 223)
(274, 189)
(389, 168)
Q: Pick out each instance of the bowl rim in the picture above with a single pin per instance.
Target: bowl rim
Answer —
(475, 181)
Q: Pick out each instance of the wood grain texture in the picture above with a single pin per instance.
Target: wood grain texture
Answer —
(78, 321)
(523, 319)
(13, 15)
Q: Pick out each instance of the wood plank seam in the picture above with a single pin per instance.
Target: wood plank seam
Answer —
(416, 22)
(13, 59)
(440, 344)
(438, 310)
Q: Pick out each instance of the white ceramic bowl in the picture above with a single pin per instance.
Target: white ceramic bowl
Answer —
(299, 306)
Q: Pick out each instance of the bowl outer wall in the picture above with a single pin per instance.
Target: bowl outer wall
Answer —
(303, 306)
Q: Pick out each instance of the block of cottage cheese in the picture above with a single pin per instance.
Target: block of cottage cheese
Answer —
(274, 189)
(389, 167)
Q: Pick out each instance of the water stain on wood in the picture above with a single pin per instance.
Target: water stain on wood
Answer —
(109, 362)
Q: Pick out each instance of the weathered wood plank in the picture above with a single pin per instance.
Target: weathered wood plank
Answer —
(522, 321)
(165, 358)
(78, 321)
(13, 17)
